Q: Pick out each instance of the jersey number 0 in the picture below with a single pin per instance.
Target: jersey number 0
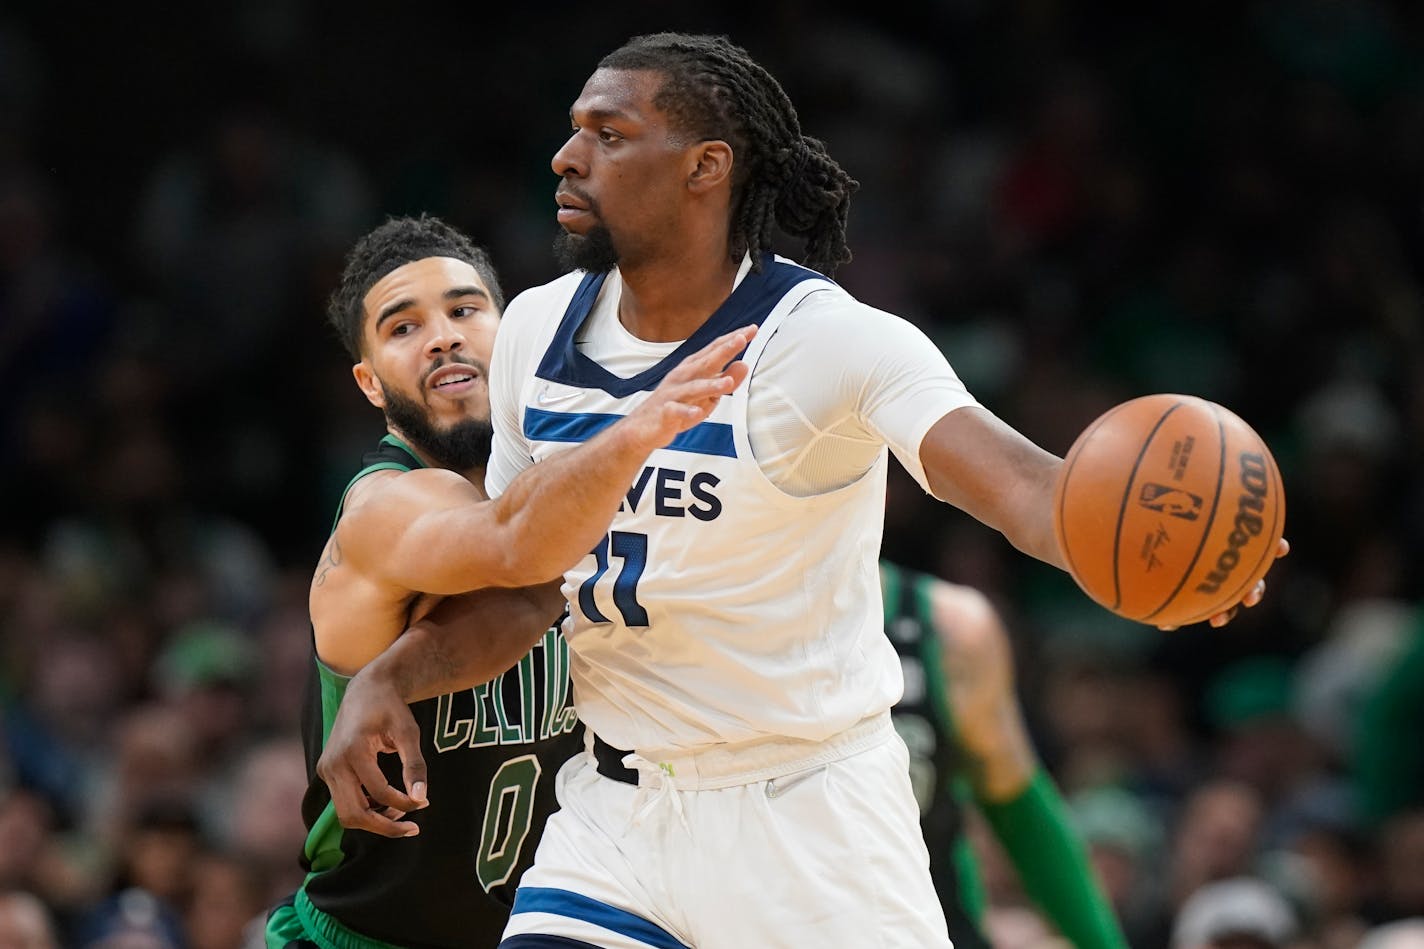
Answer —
(509, 813)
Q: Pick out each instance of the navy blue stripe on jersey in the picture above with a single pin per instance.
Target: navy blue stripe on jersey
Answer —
(705, 438)
(557, 902)
(751, 302)
(544, 941)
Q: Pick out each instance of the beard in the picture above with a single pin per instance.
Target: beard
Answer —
(462, 446)
(593, 252)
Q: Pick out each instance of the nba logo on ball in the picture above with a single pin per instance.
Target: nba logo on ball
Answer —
(1173, 501)
(1169, 509)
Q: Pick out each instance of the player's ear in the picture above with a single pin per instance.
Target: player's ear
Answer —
(369, 385)
(714, 166)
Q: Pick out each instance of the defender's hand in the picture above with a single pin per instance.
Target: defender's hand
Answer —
(372, 720)
(689, 393)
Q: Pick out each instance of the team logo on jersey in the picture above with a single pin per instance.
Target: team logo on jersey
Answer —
(1173, 501)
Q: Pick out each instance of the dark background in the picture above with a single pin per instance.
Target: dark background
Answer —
(1080, 203)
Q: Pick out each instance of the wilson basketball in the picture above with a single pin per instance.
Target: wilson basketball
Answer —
(1168, 509)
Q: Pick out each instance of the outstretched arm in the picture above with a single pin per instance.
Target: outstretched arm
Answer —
(432, 531)
(462, 642)
(981, 465)
(1016, 795)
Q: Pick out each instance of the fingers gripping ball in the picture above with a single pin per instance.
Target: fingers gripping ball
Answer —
(1168, 509)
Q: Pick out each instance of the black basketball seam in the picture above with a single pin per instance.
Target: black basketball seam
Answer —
(1210, 520)
(1268, 550)
(1126, 494)
(1072, 460)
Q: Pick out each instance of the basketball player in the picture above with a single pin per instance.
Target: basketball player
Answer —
(744, 785)
(418, 307)
(961, 722)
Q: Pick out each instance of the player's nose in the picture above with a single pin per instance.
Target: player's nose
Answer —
(447, 337)
(570, 160)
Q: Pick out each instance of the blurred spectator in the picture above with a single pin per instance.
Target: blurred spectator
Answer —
(1405, 934)
(1400, 845)
(131, 919)
(1238, 913)
(1388, 759)
(230, 895)
(25, 922)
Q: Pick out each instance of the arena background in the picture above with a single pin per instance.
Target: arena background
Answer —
(1079, 202)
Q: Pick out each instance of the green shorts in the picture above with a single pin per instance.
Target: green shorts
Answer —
(296, 924)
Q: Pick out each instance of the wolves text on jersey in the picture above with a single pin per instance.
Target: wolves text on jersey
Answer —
(675, 493)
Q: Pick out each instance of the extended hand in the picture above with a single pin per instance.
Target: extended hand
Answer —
(373, 720)
(689, 393)
(1251, 598)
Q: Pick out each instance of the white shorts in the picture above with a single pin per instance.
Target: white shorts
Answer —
(827, 854)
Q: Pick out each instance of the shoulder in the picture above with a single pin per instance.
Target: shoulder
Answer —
(545, 302)
(838, 319)
(382, 503)
(531, 319)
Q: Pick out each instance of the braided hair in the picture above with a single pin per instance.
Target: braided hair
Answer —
(712, 89)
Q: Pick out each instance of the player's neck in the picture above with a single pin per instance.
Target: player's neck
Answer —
(667, 300)
(475, 475)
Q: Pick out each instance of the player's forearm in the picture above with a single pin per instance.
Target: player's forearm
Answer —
(1053, 865)
(985, 468)
(466, 640)
(555, 511)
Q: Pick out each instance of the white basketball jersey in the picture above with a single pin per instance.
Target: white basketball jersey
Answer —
(718, 608)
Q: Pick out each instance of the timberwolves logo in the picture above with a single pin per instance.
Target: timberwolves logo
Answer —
(1173, 501)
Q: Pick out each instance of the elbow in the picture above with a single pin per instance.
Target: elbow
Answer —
(522, 565)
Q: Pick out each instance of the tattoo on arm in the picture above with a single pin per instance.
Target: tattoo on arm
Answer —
(331, 558)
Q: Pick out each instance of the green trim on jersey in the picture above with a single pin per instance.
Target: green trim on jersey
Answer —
(323, 844)
(378, 466)
(973, 896)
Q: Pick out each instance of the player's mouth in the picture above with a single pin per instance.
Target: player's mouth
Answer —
(572, 207)
(453, 380)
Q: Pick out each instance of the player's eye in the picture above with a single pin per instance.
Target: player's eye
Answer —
(608, 135)
(462, 311)
(403, 329)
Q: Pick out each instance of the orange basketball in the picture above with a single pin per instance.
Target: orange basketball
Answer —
(1168, 509)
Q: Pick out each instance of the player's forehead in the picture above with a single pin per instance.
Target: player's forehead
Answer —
(620, 93)
(423, 282)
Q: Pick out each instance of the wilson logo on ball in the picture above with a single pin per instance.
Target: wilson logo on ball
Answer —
(1249, 507)
(1173, 501)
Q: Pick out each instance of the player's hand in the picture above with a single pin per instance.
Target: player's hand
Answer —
(689, 393)
(1253, 597)
(372, 720)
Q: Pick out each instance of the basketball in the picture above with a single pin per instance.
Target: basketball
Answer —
(1168, 509)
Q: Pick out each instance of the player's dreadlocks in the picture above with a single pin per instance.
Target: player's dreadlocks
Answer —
(712, 89)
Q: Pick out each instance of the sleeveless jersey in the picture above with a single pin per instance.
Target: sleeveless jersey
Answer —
(717, 608)
(922, 717)
(492, 753)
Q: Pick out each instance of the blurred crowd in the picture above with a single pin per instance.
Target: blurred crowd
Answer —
(1080, 203)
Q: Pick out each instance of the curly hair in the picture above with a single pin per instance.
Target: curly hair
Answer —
(397, 242)
(712, 89)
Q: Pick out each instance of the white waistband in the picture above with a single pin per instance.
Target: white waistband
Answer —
(761, 759)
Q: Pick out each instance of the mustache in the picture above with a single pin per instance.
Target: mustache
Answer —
(582, 195)
(443, 361)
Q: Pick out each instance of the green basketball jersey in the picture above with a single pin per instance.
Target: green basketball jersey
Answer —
(922, 717)
(491, 753)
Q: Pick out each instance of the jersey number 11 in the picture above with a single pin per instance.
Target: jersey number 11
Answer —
(632, 549)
